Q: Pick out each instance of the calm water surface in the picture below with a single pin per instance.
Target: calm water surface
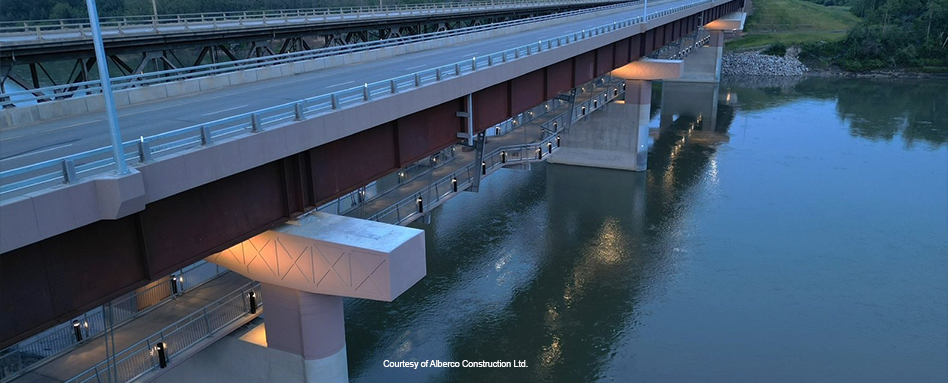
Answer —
(803, 238)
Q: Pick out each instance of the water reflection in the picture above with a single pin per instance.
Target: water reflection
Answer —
(591, 274)
(914, 110)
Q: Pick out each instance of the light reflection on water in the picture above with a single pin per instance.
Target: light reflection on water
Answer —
(804, 239)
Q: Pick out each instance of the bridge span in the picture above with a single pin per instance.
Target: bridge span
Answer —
(215, 169)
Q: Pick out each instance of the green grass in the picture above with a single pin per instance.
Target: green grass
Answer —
(793, 22)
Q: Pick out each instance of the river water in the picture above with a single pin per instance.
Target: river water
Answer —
(803, 238)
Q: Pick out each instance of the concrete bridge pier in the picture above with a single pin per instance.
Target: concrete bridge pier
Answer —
(305, 268)
(311, 326)
(704, 64)
(693, 100)
(617, 137)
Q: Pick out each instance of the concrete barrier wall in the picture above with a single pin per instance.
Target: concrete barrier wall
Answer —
(56, 109)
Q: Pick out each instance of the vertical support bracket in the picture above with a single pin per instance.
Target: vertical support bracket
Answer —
(478, 159)
(469, 100)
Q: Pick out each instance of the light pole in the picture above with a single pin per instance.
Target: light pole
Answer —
(102, 60)
(154, 11)
(644, 11)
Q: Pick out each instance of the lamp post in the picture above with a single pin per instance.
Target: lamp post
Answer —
(102, 60)
(645, 11)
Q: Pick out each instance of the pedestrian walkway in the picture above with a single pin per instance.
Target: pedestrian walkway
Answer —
(528, 133)
(93, 351)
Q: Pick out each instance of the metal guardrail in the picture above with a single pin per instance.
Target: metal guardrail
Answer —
(406, 210)
(683, 46)
(355, 199)
(93, 87)
(71, 168)
(62, 338)
(163, 24)
(141, 357)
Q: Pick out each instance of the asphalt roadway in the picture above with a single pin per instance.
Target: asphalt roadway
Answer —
(31, 143)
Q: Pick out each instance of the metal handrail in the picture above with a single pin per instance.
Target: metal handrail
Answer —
(61, 338)
(139, 358)
(62, 91)
(163, 24)
(73, 167)
(680, 49)
(512, 154)
(335, 206)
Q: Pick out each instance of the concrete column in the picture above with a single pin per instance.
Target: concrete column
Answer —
(704, 64)
(697, 102)
(309, 325)
(717, 45)
(615, 137)
(638, 96)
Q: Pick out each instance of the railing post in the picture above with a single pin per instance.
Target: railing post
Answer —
(457, 69)
(298, 109)
(334, 99)
(144, 151)
(207, 321)
(366, 96)
(438, 74)
(255, 125)
(206, 138)
(417, 79)
(69, 171)
(394, 86)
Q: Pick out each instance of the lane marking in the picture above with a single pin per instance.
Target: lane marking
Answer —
(223, 110)
(340, 84)
(30, 153)
(41, 131)
(417, 66)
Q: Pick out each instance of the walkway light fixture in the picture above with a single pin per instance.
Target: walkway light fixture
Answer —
(421, 205)
(454, 184)
(252, 297)
(539, 154)
(503, 157)
(557, 141)
(484, 168)
(77, 330)
(162, 356)
(549, 147)
(174, 285)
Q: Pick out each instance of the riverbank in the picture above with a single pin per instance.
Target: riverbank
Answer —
(755, 63)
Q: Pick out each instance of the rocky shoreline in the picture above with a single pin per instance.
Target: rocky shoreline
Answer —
(757, 64)
(754, 63)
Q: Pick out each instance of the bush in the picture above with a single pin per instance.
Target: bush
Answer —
(776, 49)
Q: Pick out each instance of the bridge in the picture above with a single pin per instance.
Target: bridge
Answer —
(210, 178)
(137, 44)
